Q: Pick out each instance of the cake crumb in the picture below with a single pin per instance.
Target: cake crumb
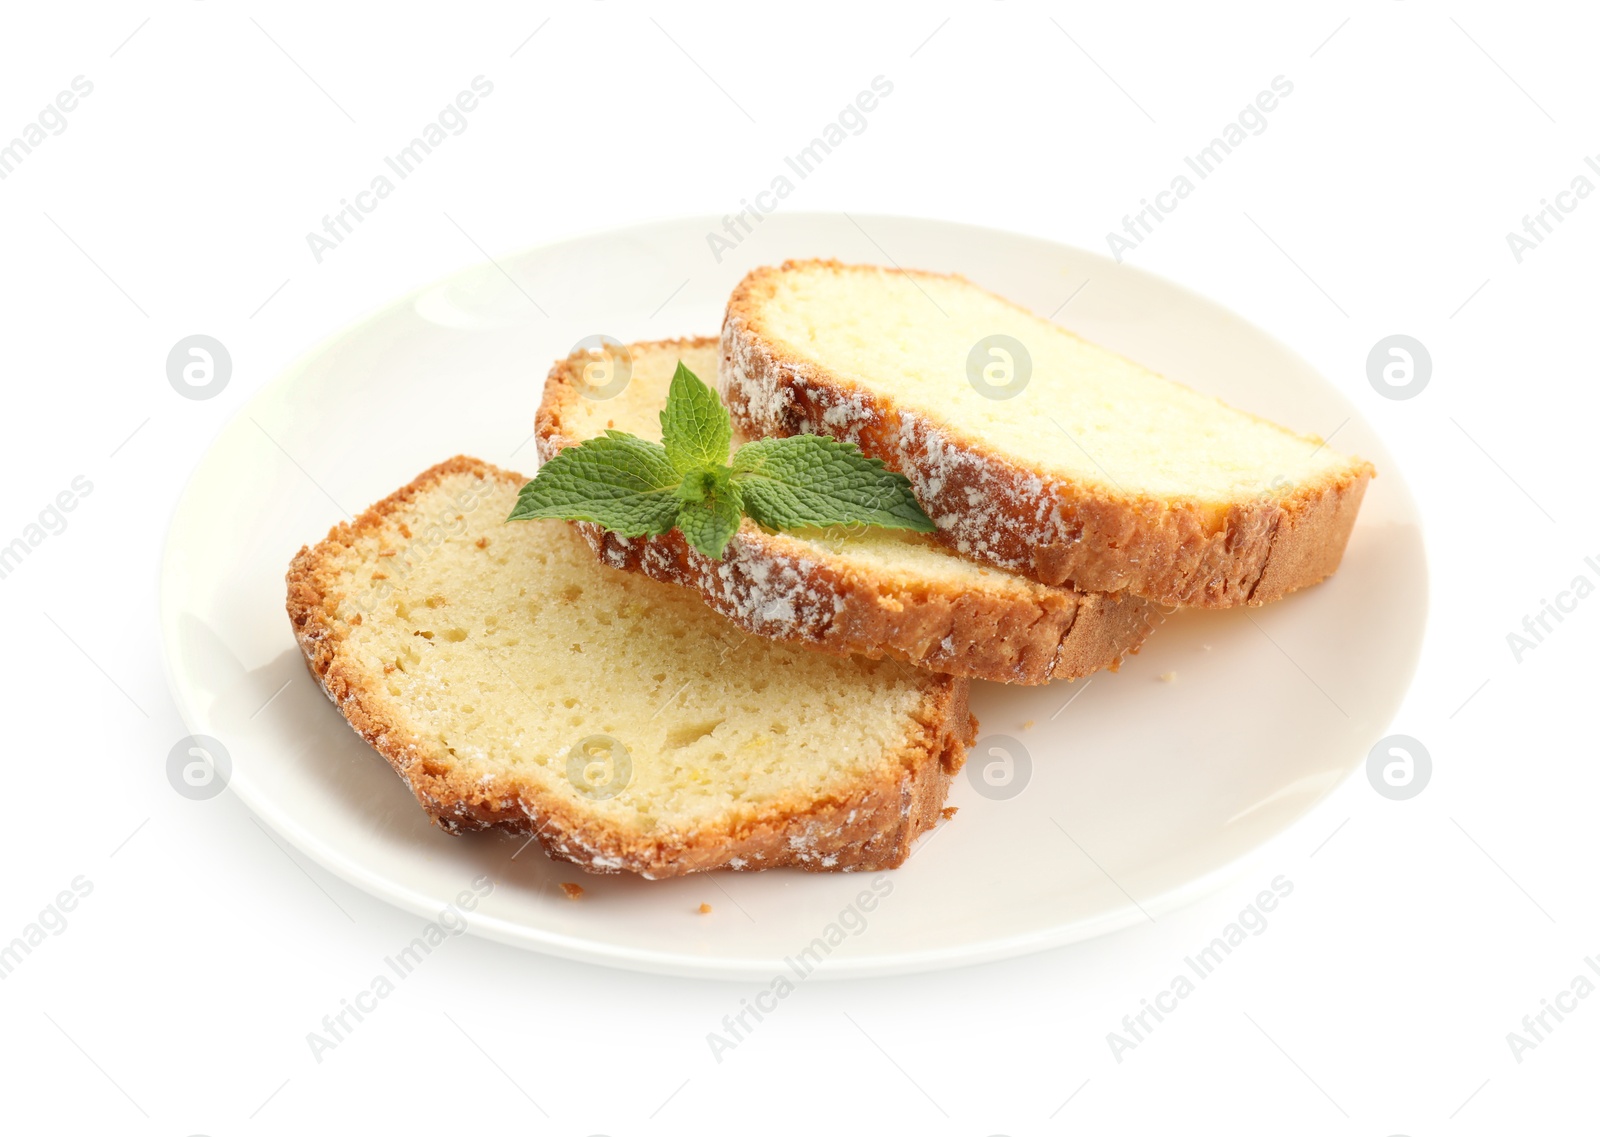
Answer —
(1028, 725)
(573, 891)
(705, 909)
(1168, 676)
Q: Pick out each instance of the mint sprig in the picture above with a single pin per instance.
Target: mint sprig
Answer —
(621, 482)
(695, 427)
(810, 481)
(637, 488)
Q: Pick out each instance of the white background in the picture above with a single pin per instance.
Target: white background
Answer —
(178, 998)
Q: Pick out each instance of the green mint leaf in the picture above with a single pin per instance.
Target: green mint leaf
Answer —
(809, 481)
(695, 427)
(621, 482)
(637, 488)
(710, 521)
(708, 482)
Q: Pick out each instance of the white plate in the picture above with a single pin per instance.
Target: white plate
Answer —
(1142, 795)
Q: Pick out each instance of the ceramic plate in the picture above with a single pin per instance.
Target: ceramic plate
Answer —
(1085, 807)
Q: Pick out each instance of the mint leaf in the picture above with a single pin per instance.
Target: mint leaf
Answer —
(698, 485)
(618, 481)
(637, 488)
(695, 427)
(809, 481)
(710, 520)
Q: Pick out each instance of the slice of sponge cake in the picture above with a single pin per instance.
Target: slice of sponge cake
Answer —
(514, 682)
(1032, 449)
(872, 592)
